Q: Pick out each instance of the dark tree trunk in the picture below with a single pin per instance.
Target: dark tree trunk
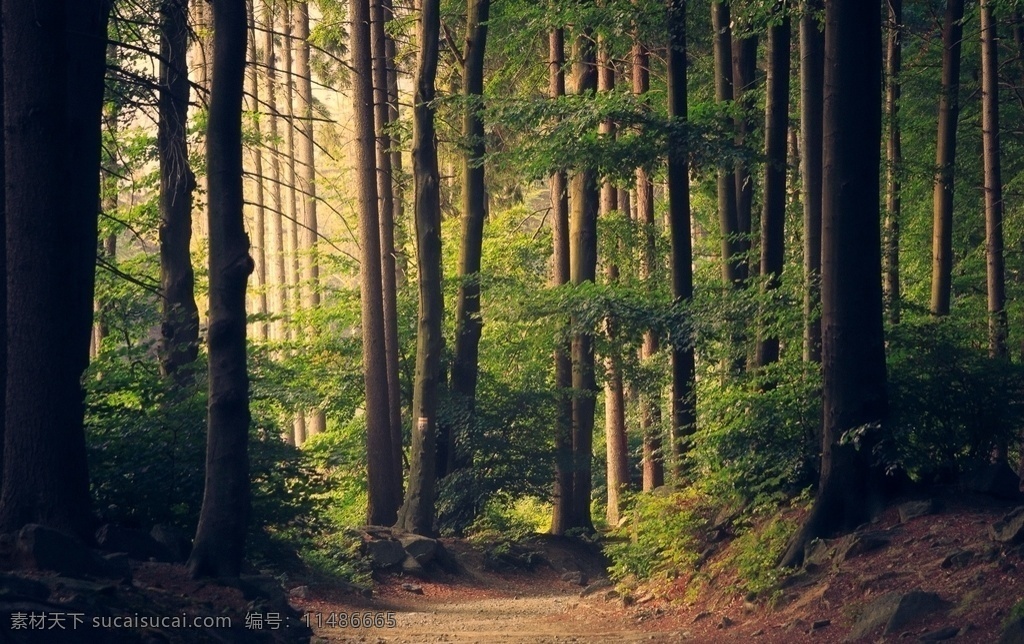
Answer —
(259, 224)
(945, 159)
(224, 518)
(776, 129)
(744, 76)
(562, 511)
(379, 40)
(583, 190)
(997, 323)
(179, 327)
(384, 484)
(468, 323)
(684, 409)
(812, 78)
(417, 513)
(721, 24)
(54, 55)
(853, 352)
(894, 161)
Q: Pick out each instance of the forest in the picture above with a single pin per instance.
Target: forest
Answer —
(702, 312)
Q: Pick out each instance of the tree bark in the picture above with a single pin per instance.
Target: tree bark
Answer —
(721, 25)
(259, 224)
(744, 75)
(653, 462)
(812, 78)
(562, 511)
(179, 325)
(293, 268)
(776, 129)
(383, 482)
(945, 159)
(853, 352)
(417, 512)
(894, 162)
(996, 273)
(468, 323)
(278, 274)
(379, 42)
(224, 518)
(53, 96)
(684, 408)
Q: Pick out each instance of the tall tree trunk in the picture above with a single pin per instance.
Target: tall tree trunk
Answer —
(653, 461)
(468, 323)
(562, 512)
(997, 323)
(894, 162)
(54, 56)
(316, 422)
(744, 76)
(384, 484)
(179, 325)
(853, 352)
(945, 159)
(721, 25)
(684, 409)
(379, 41)
(776, 129)
(417, 513)
(294, 271)
(278, 274)
(259, 224)
(224, 518)
(616, 449)
(812, 78)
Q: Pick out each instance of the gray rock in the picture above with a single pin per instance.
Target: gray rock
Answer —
(413, 588)
(859, 544)
(913, 509)
(412, 567)
(384, 553)
(1009, 529)
(940, 635)
(174, 540)
(818, 554)
(135, 543)
(422, 549)
(893, 611)
(13, 588)
(957, 559)
(575, 578)
(994, 479)
(595, 586)
(37, 547)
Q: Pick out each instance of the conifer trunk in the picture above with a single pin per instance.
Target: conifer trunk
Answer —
(812, 78)
(996, 273)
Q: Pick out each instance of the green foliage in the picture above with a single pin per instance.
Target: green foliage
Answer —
(660, 537)
(506, 518)
(755, 552)
(950, 404)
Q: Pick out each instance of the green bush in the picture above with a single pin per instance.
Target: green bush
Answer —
(660, 535)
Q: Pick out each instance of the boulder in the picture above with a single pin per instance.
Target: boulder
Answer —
(422, 549)
(913, 509)
(38, 547)
(596, 585)
(174, 540)
(14, 588)
(893, 611)
(575, 578)
(957, 559)
(137, 544)
(412, 567)
(1010, 529)
(994, 479)
(941, 634)
(384, 553)
(858, 544)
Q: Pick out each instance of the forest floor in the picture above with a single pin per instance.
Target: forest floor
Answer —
(942, 574)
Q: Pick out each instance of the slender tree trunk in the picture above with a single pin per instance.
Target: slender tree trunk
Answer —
(379, 16)
(224, 518)
(653, 463)
(290, 181)
(617, 466)
(945, 159)
(417, 513)
(179, 325)
(278, 275)
(397, 178)
(997, 323)
(894, 161)
(776, 129)
(562, 513)
(720, 23)
(54, 55)
(812, 78)
(383, 482)
(853, 351)
(744, 75)
(684, 414)
(468, 323)
(259, 224)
